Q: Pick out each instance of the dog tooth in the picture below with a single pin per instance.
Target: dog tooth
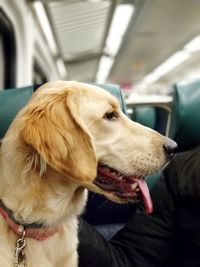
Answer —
(134, 186)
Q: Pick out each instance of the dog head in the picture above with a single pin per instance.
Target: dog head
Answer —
(80, 131)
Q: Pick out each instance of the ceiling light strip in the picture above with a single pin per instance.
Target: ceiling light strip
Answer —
(173, 61)
(120, 21)
(45, 26)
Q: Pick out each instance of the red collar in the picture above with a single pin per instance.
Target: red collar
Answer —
(35, 231)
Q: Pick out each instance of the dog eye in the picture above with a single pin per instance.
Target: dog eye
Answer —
(111, 115)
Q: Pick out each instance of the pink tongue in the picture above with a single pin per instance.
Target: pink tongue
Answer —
(145, 194)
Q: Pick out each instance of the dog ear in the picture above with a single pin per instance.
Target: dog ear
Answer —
(55, 129)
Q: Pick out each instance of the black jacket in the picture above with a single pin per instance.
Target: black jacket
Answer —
(170, 236)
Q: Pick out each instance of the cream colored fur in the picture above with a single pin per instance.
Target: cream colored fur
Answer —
(50, 155)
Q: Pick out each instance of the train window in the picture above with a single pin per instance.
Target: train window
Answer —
(39, 76)
(7, 52)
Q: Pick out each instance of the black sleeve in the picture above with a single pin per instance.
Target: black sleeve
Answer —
(149, 240)
(146, 240)
(95, 251)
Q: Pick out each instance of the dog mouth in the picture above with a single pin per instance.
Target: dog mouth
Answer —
(126, 187)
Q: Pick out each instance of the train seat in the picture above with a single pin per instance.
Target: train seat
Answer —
(11, 101)
(151, 116)
(145, 115)
(185, 116)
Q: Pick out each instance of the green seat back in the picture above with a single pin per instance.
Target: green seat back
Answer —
(11, 101)
(145, 115)
(185, 120)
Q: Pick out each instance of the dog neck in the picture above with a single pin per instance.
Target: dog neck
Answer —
(34, 230)
(37, 194)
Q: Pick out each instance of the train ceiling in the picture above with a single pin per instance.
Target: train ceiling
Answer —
(156, 30)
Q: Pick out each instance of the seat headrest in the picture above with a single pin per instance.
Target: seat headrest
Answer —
(185, 120)
(145, 115)
(116, 91)
(11, 101)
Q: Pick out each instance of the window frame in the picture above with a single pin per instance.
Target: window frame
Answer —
(38, 69)
(9, 47)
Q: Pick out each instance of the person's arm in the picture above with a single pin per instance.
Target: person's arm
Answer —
(95, 251)
(146, 240)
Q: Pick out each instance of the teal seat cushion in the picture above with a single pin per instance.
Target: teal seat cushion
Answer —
(145, 115)
(185, 120)
(11, 101)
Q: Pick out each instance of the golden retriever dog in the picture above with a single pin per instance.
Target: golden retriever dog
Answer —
(70, 137)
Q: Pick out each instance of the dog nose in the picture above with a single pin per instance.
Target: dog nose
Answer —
(170, 147)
